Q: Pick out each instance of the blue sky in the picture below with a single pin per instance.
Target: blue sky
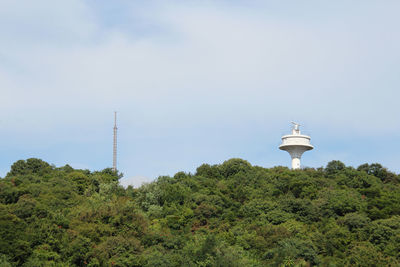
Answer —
(198, 82)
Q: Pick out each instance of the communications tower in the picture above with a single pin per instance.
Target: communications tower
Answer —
(115, 143)
(296, 144)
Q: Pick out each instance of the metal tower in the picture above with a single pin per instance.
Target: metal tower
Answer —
(115, 143)
(296, 144)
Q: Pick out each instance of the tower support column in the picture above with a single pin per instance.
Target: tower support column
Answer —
(295, 163)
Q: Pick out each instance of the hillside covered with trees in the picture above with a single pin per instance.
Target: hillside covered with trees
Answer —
(232, 214)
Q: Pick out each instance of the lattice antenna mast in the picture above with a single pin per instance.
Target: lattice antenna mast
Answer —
(115, 143)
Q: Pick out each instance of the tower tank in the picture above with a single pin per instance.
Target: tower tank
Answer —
(296, 144)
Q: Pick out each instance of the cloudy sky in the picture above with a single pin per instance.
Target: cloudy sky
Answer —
(198, 82)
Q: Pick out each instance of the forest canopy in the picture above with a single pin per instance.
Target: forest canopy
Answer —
(230, 214)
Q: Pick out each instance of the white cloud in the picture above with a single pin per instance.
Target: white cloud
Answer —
(177, 69)
(43, 22)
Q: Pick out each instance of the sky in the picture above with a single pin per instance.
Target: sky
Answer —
(198, 82)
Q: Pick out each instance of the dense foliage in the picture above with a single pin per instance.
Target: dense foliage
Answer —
(232, 214)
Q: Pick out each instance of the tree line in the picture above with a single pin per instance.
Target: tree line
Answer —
(229, 214)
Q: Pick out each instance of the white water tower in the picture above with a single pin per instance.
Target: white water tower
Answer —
(296, 144)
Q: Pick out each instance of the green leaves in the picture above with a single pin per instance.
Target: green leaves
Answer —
(234, 166)
(30, 166)
(231, 214)
(340, 202)
(334, 167)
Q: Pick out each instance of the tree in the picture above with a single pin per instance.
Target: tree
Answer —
(334, 167)
(229, 214)
(30, 166)
(379, 171)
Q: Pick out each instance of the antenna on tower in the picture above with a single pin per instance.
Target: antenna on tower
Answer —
(115, 143)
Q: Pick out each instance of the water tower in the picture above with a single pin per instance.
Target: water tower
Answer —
(296, 144)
